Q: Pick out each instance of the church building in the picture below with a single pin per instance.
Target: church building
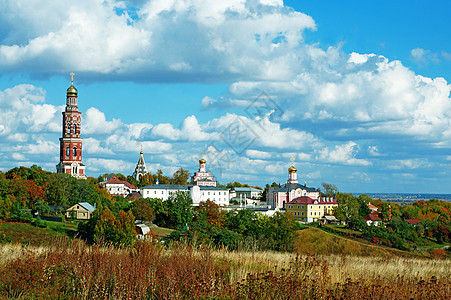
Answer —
(141, 168)
(277, 197)
(71, 141)
(202, 177)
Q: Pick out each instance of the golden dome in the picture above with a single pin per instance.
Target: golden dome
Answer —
(292, 169)
(202, 161)
(72, 91)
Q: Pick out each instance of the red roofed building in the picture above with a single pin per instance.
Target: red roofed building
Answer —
(372, 218)
(117, 187)
(308, 209)
(413, 221)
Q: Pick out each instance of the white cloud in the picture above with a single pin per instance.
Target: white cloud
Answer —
(190, 130)
(424, 56)
(373, 151)
(94, 122)
(409, 164)
(343, 154)
(257, 154)
(90, 36)
(92, 146)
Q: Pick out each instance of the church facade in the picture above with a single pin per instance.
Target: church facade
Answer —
(71, 141)
(277, 197)
(202, 177)
(141, 168)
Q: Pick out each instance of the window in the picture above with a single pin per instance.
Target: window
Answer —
(75, 151)
(75, 129)
(302, 213)
(68, 128)
(67, 151)
(155, 192)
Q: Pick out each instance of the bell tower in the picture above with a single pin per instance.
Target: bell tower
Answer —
(71, 141)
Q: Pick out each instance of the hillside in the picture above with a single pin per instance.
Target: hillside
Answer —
(316, 241)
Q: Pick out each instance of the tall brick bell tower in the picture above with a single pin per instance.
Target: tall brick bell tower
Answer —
(71, 142)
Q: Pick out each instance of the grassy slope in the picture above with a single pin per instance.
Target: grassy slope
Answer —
(28, 234)
(316, 241)
(309, 240)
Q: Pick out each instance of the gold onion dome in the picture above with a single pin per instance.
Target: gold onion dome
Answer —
(72, 91)
(202, 161)
(292, 169)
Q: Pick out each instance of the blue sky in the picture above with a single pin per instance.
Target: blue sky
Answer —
(357, 92)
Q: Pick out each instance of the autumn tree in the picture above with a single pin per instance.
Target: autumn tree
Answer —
(213, 213)
(180, 176)
(142, 210)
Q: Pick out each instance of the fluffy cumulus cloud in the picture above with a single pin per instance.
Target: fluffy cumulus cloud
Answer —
(115, 38)
(343, 154)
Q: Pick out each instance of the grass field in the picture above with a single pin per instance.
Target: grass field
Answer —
(316, 241)
(324, 266)
(181, 271)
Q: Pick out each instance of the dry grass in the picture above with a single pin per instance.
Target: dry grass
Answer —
(314, 241)
(78, 271)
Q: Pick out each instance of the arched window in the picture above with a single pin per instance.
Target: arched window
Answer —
(67, 151)
(75, 151)
(68, 128)
(75, 129)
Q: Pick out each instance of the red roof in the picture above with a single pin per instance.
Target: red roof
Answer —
(135, 195)
(372, 217)
(308, 200)
(413, 221)
(112, 179)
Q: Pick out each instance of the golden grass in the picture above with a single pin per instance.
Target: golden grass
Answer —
(182, 271)
(341, 267)
(313, 241)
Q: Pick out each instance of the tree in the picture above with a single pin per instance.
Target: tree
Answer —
(348, 207)
(328, 190)
(179, 210)
(161, 215)
(213, 213)
(142, 210)
(132, 180)
(146, 179)
(120, 230)
(161, 178)
(180, 176)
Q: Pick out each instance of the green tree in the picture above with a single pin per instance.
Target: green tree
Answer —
(159, 209)
(348, 207)
(180, 176)
(142, 210)
(132, 180)
(328, 190)
(179, 210)
(120, 230)
(161, 178)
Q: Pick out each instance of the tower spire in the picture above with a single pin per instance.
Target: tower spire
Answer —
(71, 141)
